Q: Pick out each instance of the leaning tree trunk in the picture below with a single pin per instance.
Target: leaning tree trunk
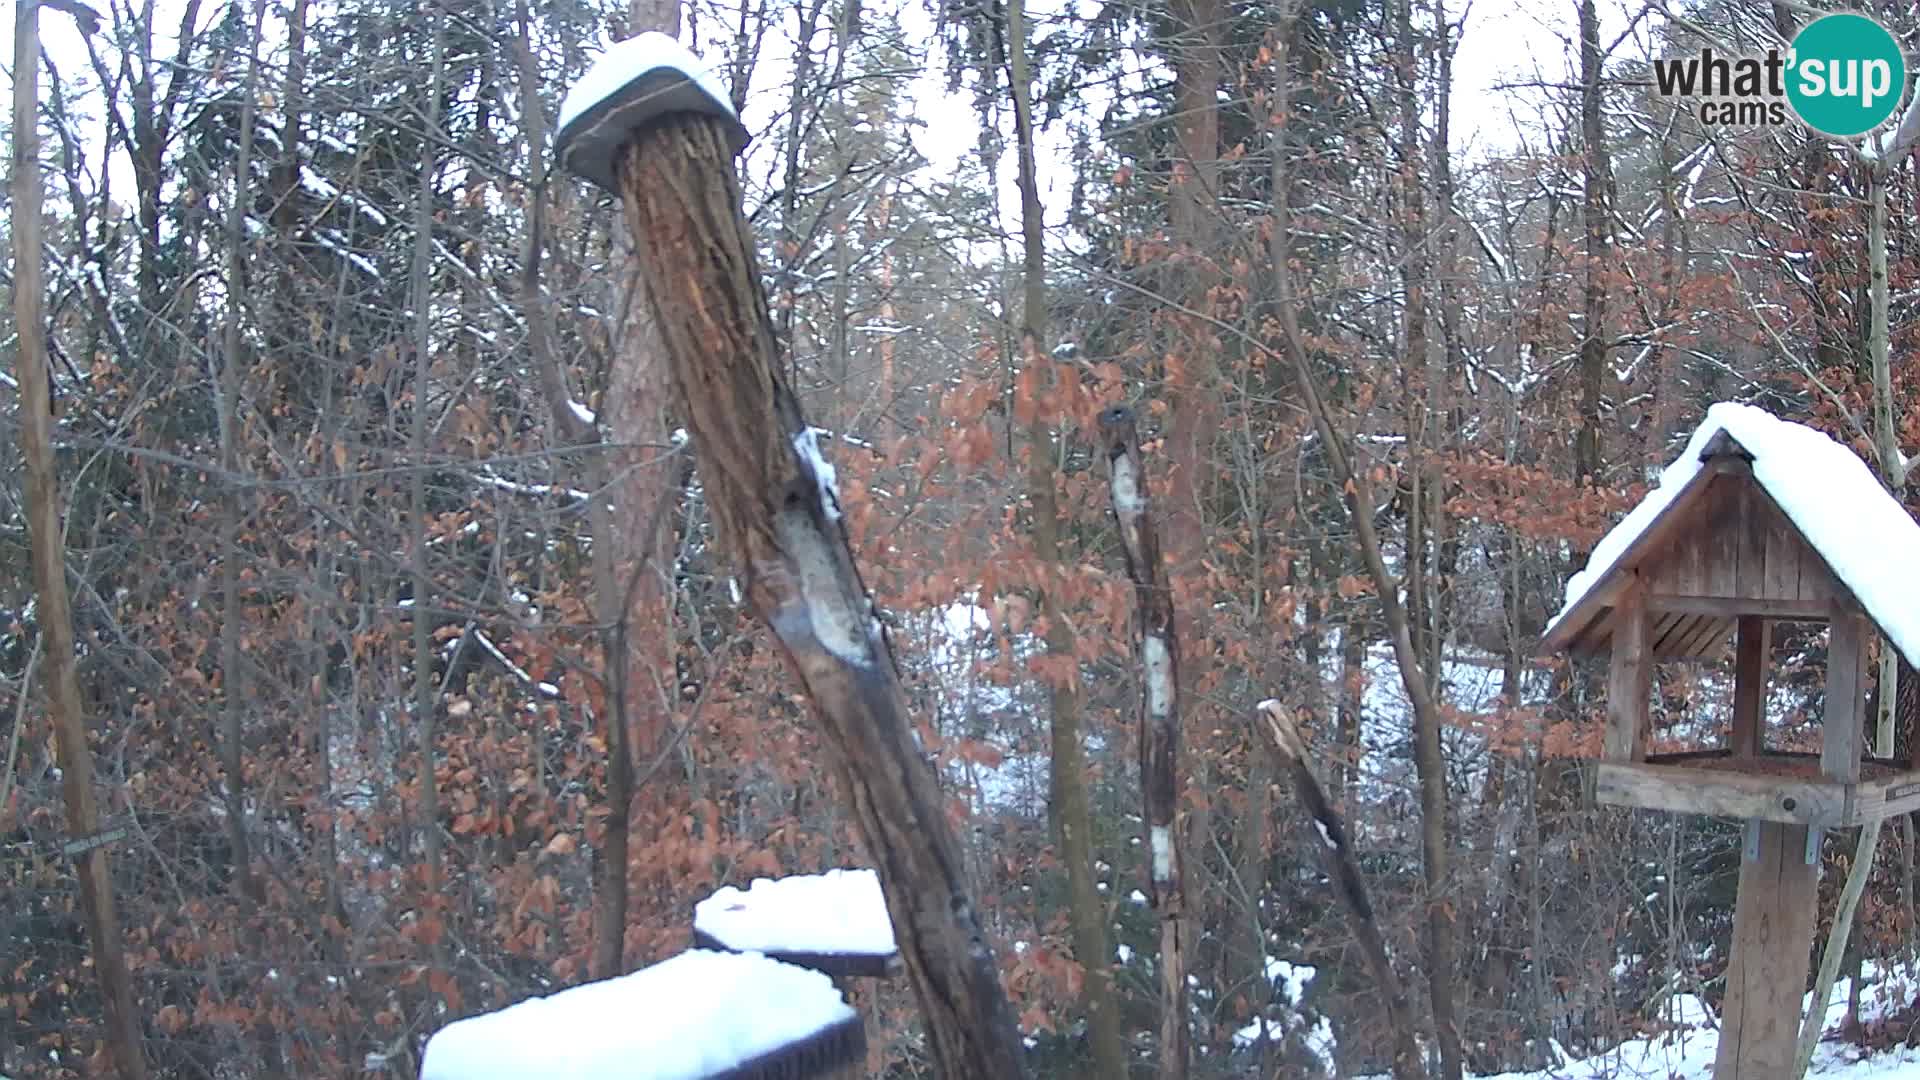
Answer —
(1355, 485)
(1336, 852)
(776, 513)
(86, 847)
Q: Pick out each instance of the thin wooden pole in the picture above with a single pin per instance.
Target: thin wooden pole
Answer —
(1816, 1018)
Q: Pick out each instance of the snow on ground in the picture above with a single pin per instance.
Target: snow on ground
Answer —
(1318, 1037)
(697, 1014)
(1686, 1052)
(840, 912)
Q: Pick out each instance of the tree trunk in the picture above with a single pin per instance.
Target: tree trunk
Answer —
(1429, 764)
(422, 298)
(234, 698)
(776, 514)
(1067, 768)
(1157, 650)
(1593, 342)
(42, 506)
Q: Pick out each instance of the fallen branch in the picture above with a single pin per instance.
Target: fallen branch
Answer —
(1336, 853)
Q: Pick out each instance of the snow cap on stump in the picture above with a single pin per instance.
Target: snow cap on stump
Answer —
(835, 922)
(634, 83)
(697, 1016)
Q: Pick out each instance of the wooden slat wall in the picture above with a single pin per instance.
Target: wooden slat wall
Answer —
(1738, 545)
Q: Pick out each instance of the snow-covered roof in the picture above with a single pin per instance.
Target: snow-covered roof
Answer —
(1832, 498)
(696, 1015)
(806, 918)
(635, 81)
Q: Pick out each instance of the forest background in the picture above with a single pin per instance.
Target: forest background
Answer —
(414, 687)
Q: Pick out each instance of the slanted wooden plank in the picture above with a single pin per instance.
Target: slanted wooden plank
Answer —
(1749, 685)
(1701, 643)
(1842, 728)
(1630, 680)
(1773, 925)
(1683, 789)
(1673, 631)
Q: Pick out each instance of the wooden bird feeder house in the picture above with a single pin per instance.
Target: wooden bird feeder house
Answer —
(1759, 521)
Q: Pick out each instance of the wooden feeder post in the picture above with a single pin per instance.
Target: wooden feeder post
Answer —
(650, 124)
(1716, 553)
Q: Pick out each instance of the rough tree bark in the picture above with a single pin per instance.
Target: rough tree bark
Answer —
(1194, 50)
(776, 515)
(1067, 768)
(55, 611)
(1594, 214)
(641, 480)
(1157, 648)
(1336, 851)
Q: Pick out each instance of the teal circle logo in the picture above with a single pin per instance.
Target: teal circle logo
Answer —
(1845, 75)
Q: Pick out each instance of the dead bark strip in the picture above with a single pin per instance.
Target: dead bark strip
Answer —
(777, 516)
(1336, 853)
(1157, 648)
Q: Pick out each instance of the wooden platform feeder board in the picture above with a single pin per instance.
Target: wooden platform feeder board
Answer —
(1757, 789)
(1715, 553)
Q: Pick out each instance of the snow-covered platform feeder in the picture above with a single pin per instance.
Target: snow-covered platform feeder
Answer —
(835, 922)
(1759, 521)
(702, 1015)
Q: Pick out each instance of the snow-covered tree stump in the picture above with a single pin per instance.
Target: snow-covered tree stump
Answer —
(649, 122)
(701, 1015)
